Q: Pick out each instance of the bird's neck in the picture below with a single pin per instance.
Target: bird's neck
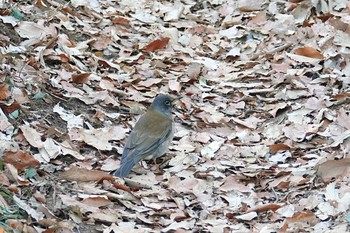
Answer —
(160, 112)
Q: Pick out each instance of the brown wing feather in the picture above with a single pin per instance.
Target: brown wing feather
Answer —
(147, 134)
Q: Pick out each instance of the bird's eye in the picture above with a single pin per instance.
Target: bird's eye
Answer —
(167, 103)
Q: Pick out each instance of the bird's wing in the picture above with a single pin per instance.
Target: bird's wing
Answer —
(147, 135)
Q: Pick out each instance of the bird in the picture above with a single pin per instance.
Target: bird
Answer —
(151, 136)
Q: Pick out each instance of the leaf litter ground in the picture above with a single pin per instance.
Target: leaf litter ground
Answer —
(262, 128)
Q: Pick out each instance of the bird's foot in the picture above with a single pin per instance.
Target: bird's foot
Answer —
(139, 170)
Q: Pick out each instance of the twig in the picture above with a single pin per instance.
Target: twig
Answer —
(272, 51)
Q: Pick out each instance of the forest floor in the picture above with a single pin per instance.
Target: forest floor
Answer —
(262, 128)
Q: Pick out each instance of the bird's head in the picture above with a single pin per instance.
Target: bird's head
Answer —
(163, 104)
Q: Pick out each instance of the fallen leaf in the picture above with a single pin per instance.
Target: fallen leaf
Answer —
(30, 30)
(32, 136)
(8, 109)
(308, 52)
(145, 17)
(121, 21)
(96, 201)
(209, 150)
(305, 216)
(248, 216)
(101, 138)
(29, 210)
(265, 207)
(4, 92)
(277, 147)
(21, 160)
(81, 78)
(85, 175)
(156, 45)
(174, 85)
(333, 169)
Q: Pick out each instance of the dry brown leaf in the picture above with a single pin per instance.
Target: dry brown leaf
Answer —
(96, 201)
(122, 187)
(10, 108)
(277, 147)
(101, 138)
(14, 224)
(4, 180)
(105, 217)
(341, 96)
(265, 207)
(20, 160)
(70, 11)
(85, 175)
(55, 229)
(302, 59)
(40, 4)
(333, 169)
(4, 91)
(306, 216)
(149, 82)
(232, 183)
(156, 45)
(308, 52)
(33, 63)
(121, 21)
(32, 136)
(47, 222)
(39, 197)
(284, 228)
(57, 58)
(81, 78)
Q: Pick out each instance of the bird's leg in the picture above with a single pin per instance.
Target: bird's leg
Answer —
(139, 169)
(165, 161)
(156, 170)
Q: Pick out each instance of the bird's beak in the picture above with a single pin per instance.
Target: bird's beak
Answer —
(174, 105)
(176, 98)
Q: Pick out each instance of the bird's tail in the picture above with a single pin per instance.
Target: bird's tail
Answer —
(125, 168)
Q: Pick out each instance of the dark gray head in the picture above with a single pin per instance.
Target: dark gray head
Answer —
(163, 104)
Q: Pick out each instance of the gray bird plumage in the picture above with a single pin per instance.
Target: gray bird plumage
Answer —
(151, 135)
